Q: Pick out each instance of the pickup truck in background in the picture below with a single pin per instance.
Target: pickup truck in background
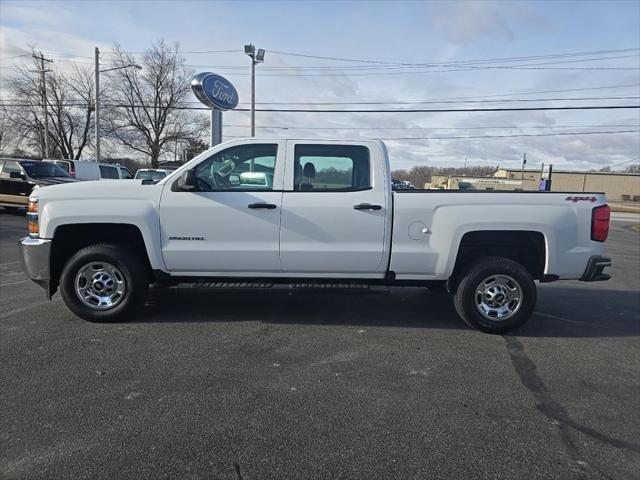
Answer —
(309, 212)
(20, 177)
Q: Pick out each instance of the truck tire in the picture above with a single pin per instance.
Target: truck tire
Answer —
(495, 295)
(104, 283)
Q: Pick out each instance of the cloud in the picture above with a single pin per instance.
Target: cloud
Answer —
(464, 22)
(452, 31)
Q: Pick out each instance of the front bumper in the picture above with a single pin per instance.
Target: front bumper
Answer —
(35, 254)
(595, 267)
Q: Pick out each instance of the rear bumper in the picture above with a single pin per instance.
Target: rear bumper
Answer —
(595, 268)
(35, 254)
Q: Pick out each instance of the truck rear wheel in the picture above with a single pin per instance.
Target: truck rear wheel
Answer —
(495, 295)
(103, 282)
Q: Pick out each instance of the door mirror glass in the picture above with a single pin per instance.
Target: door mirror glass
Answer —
(17, 175)
(188, 180)
(234, 180)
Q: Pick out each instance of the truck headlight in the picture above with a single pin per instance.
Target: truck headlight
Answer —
(32, 218)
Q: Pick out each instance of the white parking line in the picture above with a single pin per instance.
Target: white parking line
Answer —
(9, 263)
(12, 283)
(20, 310)
(578, 322)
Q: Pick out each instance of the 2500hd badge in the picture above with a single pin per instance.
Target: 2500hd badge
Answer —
(186, 238)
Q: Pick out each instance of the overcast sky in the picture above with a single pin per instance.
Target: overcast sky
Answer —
(388, 33)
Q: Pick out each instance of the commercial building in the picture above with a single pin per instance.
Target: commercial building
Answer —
(619, 187)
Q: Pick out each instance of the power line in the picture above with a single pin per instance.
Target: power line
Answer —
(505, 127)
(458, 65)
(559, 134)
(625, 162)
(503, 59)
(449, 110)
(466, 66)
(424, 101)
(460, 137)
(15, 56)
(418, 72)
(404, 110)
(186, 52)
(493, 95)
(414, 102)
(516, 100)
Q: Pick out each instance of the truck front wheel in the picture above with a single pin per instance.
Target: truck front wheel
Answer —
(103, 282)
(495, 295)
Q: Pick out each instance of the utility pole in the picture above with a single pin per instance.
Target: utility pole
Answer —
(97, 104)
(256, 57)
(524, 162)
(45, 112)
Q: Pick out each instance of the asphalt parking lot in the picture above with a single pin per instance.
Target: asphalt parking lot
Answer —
(260, 384)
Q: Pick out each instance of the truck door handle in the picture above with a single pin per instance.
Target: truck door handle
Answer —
(268, 206)
(367, 206)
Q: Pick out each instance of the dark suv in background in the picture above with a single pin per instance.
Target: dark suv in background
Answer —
(18, 178)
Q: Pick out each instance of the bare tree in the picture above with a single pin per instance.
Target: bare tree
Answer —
(145, 111)
(6, 132)
(70, 100)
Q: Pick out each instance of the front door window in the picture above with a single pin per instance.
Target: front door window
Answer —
(242, 168)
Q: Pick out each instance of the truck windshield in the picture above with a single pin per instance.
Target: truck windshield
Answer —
(43, 169)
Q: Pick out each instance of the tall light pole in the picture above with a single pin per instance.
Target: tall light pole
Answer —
(43, 82)
(256, 57)
(97, 105)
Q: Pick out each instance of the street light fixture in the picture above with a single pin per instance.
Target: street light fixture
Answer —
(97, 106)
(134, 65)
(256, 57)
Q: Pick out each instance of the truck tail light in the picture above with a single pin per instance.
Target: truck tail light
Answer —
(600, 223)
(72, 171)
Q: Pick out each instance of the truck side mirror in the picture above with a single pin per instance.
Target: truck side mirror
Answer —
(17, 175)
(188, 181)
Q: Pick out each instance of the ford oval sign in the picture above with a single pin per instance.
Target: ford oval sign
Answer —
(214, 91)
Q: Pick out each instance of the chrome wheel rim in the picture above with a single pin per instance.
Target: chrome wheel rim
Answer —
(100, 285)
(498, 297)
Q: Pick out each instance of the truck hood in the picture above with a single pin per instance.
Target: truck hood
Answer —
(98, 190)
(47, 181)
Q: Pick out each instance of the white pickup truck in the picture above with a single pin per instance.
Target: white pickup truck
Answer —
(308, 213)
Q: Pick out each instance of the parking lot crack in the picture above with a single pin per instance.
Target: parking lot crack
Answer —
(238, 473)
(529, 377)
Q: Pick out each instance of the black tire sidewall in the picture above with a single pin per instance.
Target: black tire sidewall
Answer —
(465, 295)
(130, 267)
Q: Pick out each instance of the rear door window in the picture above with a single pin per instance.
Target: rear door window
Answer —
(331, 168)
(109, 172)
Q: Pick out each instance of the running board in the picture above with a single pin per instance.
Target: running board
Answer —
(228, 285)
(302, 287)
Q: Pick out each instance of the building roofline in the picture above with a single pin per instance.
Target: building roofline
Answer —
(580, 172)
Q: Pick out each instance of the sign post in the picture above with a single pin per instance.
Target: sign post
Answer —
(545, 178)
(216, 127)
(217, 93)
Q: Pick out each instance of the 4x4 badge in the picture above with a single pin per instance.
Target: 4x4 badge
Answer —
(576, 199)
